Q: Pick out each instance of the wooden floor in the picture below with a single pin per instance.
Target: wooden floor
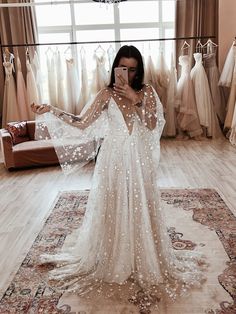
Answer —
(26, 196)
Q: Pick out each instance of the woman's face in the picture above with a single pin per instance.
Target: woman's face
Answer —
(132, 65)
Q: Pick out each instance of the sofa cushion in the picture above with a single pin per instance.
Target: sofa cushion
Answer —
(18, 131)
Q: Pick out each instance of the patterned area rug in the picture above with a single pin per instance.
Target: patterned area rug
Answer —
(30, 292)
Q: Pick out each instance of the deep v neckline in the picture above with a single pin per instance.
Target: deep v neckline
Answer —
(130, 132)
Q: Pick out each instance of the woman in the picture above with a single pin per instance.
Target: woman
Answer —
(123, 240)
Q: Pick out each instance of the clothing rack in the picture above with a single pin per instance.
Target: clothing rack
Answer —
(105, 41)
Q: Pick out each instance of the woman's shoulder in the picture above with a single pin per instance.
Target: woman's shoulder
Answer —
(148, 89)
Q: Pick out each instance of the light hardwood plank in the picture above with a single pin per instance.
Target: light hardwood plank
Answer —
(26, 196)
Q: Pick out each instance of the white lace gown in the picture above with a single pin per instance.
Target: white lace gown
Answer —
(100, 74)
(31, 88)
(170, 114)
(206, 112)
(73, 87)
(187, 114)
(217, 93)
(230, 108)
(24, 108)
(123, 240)
(10, 110)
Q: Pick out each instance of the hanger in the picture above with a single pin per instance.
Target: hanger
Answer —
(99, 49)
(8, 56)
(210, 46)
(199, 46)
(27, 53)
(185, 45)
(49, 49)
(68, 51)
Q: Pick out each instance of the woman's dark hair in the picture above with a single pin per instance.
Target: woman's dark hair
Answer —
(129, 52)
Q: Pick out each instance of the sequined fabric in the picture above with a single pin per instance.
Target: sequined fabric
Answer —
(123, 245)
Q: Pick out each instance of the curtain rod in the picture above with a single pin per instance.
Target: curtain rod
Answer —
(105, 41)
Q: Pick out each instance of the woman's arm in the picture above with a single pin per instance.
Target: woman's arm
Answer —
(145, 105)
(82, 122)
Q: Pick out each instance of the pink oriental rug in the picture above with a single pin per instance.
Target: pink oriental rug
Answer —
(201, 218)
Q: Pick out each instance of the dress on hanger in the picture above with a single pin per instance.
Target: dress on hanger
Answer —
(206, 112)
(111, 53)
(52, 76)
(100, 74)
(227, 72)
(230, 108)
(60, 81)
(150, 72)
(84, 95)
(170, 114)
(123, 241)
(162, 78)
(187, 115)
(22, 99)
(217, 93)
(10, 106)
(38, 76)
(73, 87)
(31, 88)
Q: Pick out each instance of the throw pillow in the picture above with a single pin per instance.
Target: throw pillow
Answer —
(18, 131)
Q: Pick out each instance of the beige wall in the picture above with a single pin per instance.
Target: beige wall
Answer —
(227, 28)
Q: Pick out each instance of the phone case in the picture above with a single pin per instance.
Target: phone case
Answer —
(123, 72)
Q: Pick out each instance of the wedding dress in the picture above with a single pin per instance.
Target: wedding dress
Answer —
(230, 108)
(100, 74)
(123, 241)
(217, 92)
(206, 112)
(24, 109)
(170, 114)
(84, 95)
(73, 86)
(187, 115)
(10, 111)
(31, 88)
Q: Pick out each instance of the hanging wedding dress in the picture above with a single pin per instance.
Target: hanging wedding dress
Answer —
(24, 108)
(31, 88)
(122, 242)
(162, 78)
(100, 74)
(150, 72)
(84, 95)
(73, 87)
(187, 115)
(227, 72)
(10, 106)
(52, 76)
(230, 108)
(217, 93)
(111, 53)
(60, 82)
(38, 76)
(170, 116)
(206, 113)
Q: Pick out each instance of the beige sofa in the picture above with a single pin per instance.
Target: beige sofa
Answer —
(28, 153)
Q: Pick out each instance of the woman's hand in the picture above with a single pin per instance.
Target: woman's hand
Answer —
(126, 91)
(39, 109)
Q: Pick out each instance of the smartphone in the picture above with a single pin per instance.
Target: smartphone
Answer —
(121, 72)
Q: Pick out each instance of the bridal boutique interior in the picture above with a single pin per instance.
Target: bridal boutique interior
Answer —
(189, 49)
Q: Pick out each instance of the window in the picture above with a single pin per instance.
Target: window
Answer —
(85, 20)
(88, 21)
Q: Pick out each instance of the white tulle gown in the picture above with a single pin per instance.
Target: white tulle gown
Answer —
(123, 240)
(10, 110)
(206, 112)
